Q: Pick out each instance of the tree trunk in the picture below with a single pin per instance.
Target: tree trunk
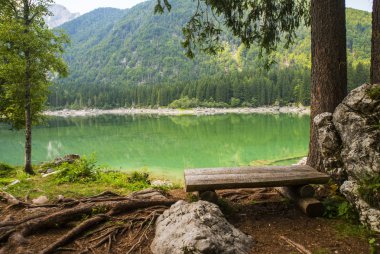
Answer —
(375, 55)
(329, 64)
(28, 122)
(28, 116)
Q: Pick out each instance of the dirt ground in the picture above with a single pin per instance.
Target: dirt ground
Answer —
(263, 214)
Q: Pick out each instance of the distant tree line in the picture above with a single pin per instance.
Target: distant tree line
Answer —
(248, 88)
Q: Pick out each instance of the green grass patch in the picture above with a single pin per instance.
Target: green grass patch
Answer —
(79, 179)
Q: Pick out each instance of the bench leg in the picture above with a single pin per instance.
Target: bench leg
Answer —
(309, 205)
(209, 196)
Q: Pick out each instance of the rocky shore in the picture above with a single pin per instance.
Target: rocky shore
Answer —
(176, 112)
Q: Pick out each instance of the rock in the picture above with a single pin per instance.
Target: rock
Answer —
(161, 183)
(329, 146)
(49, 170)
(355, 119)
(367, 215)
(302, 161)
(349, 143)
(70, 158)
(14, 182)
(198, 227)
(41, 200)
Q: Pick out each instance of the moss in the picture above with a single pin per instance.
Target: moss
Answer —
(374, 93)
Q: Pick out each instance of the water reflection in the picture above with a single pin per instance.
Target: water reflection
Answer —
(165, 145)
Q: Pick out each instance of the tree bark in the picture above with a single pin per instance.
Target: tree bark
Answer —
(28, 116)
(28, 119)
(329, 64)
(375, 54)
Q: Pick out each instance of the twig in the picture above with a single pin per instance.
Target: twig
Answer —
(298, 246)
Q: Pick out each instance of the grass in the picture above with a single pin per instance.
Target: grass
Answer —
(79, 179)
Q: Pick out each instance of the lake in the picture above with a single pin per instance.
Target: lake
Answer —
(165, 145)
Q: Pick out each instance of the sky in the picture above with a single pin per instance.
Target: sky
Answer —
(83, 6)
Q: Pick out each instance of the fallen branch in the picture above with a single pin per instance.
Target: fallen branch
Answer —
(298, 246)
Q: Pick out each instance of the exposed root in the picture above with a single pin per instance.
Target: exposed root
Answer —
(112, 218)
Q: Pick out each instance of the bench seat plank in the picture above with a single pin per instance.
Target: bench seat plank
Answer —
(251, 177)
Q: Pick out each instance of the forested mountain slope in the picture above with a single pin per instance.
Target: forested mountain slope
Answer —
(134, 57)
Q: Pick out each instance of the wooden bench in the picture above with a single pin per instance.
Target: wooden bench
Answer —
(290, 181)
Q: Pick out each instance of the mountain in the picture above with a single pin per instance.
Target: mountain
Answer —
(134, 57)
(59, 16)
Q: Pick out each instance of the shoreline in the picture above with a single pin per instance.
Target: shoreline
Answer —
(178, 112)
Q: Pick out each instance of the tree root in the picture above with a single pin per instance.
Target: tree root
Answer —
(109, 215)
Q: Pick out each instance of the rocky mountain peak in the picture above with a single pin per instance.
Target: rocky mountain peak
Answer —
(60, 15)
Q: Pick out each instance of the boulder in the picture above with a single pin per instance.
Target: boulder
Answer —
(198, 227)
(367, 214)
(349, 143)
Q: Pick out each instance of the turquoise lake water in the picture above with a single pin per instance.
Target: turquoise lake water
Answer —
(165, 145)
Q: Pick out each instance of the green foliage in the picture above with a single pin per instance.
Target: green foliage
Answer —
(185, 103)
(139, 177)
(133, 58)
(80, 171)
(338, 207)
(191, 197)
(138, 180)
(276, 18)
(369, 189)
(235, 102)
(372, 245)
(5, 167)
(31, 56)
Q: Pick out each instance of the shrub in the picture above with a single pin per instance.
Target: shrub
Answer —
(5, 167)
(138, 181)
(235, 102)
(369, 189)
(142, 177)
(338, 207)
(184, 103)
(82, 170)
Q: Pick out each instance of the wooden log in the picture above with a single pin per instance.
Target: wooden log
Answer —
(304, 191)
(209, 196)
(310, 206)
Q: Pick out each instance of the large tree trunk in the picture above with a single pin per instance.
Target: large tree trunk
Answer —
(375, 55)
(329, 64)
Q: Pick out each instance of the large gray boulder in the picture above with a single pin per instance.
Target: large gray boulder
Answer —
(196, 228)
(349, 142)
